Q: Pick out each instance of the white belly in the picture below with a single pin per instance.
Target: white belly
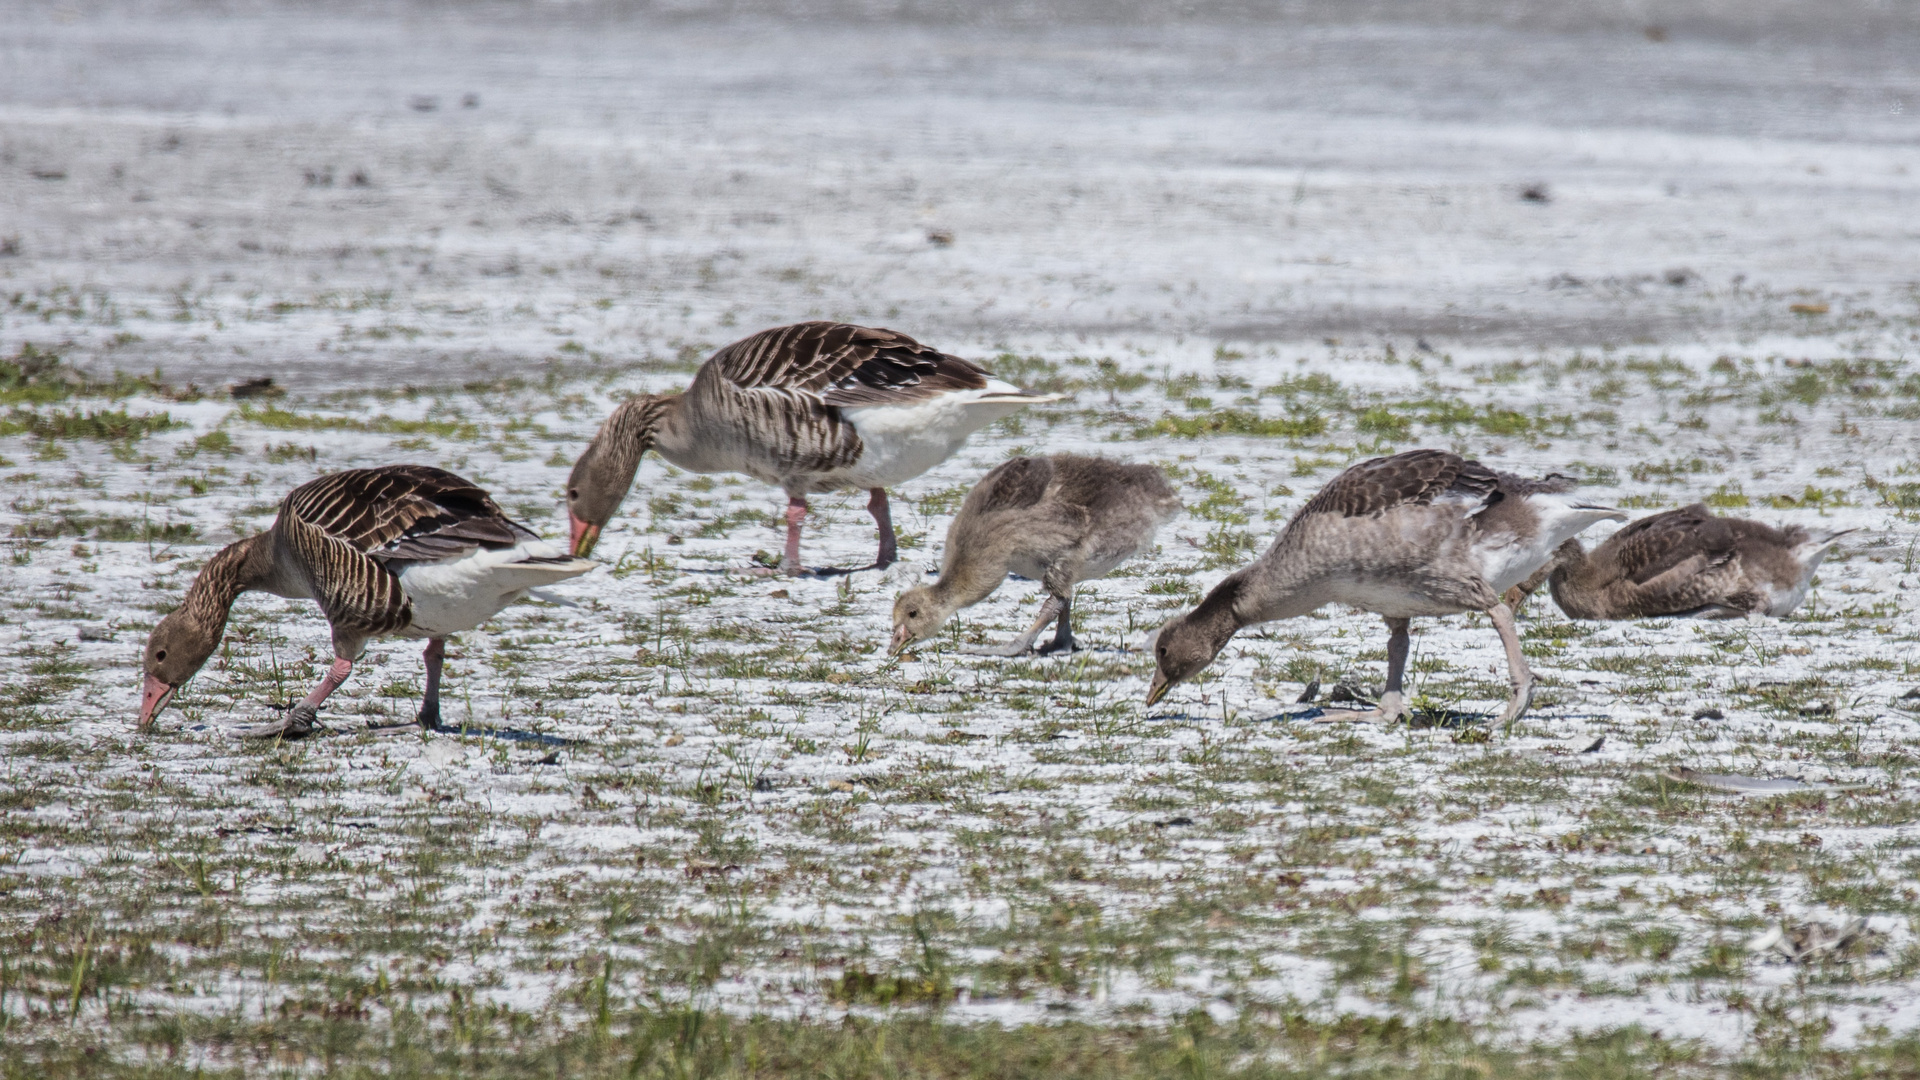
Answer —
(1507, 560)
(903, 441)
(1781, 602)
(458, 594)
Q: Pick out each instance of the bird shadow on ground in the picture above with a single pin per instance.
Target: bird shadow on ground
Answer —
(506, 734)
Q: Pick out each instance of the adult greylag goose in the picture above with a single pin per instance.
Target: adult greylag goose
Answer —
(405, 550)
(811, 407)
(1058, 520)
(1420, 533)
(1690, 563)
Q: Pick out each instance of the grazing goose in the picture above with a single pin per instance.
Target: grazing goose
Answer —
(815, 406)
(1058, 520)
(405, 550)
(1686, 562)
(1420, 533)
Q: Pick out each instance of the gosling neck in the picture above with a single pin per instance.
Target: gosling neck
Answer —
(1570, 564)
(965, 583)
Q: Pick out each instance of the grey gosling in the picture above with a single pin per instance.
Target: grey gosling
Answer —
(1058, 520)
(405, 550)
(815, 406)
(1426, 532)
(1687, 563)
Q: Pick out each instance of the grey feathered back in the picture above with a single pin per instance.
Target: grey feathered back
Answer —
(1066, 513)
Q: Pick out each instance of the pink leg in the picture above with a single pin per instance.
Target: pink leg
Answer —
(301, 719)
(796, 513)
(883, 517)
(435, 655)
(336, 675)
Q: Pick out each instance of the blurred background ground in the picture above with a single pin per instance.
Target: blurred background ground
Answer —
(508, 180)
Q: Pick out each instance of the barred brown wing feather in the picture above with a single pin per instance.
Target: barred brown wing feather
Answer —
(797, 430)
(403, 512)
(442, 538)
(891, 379)
(357, 594)
(844, 364)
(1417, 477)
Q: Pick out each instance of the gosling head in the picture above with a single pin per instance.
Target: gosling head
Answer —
(917, 615)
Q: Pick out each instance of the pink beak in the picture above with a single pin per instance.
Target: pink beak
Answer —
(153, 697)
(584, 537)
(902, 637)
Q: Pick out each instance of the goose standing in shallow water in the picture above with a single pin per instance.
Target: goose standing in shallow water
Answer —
(1058, 520)
(1420, 533)
(405, 550)
(815, 406)
(1686, 562)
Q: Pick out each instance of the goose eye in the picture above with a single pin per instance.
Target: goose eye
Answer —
(911, 614)
(161, 655)
(573, 493)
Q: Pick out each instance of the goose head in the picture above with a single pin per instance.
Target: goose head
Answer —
(1188, 643)
(176, 649)
(605, 470)
(1181, 650)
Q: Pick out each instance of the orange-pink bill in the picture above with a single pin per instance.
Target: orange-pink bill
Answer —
(153, 697)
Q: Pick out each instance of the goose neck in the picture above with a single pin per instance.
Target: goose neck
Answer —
(661, 424)
(234, 569)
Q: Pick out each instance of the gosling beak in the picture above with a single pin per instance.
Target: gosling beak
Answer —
(1159, 688)
(902, 637)
(584, 537)
(154, 697)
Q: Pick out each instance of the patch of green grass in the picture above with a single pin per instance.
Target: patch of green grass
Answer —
(368, 1028)
(105, 424)
(1035, 373)
(68, 522)
(1810, 498)
(279, 419)
(213, 442)
(1385, 423)
(1234, 422)
(1728, 496)
(35, 376)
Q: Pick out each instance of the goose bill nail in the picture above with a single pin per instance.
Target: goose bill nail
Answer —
(1158, 690)
(153, 698)
(584, 537)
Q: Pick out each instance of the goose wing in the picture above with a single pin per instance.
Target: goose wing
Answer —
(845, 365)
(1645, 549)
(782, 389)
(346, 526)
(1417, 477)
(404, 513)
